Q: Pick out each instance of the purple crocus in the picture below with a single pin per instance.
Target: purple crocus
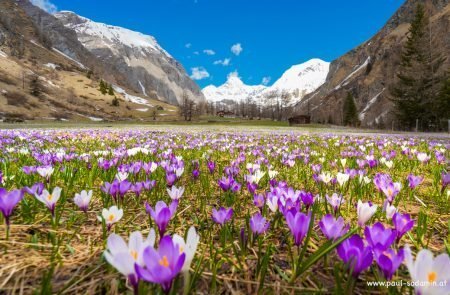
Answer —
(259, 200)
(124, 187)
(414, 181)
(222, 215)
(162, 265)
(211, 167)
(335, 201)
(379, 237)
(228, 183)
(333, 228)
(162, 214)
(171, 178)
(353, 252)
(9, 200)
(36, 188)
(445, 177)
(389, 261)
(307, 199)
(298, 224)
(402, 224)
(258, 224)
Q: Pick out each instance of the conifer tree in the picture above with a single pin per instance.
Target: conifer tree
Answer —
(417, 87)
(350, 112)
(110, 90)
(103, 87)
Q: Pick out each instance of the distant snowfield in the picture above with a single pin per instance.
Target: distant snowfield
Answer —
(299, 81)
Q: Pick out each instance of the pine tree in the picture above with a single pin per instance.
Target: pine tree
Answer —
(103, 87)
(350, 111)
(417, 86)
(443, 102)
(35, 86)
(110, 90)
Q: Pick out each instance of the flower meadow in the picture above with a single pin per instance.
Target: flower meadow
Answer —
(115, 211)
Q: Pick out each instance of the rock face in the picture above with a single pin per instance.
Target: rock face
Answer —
(298, 81)
(369, 70)
(146, 66)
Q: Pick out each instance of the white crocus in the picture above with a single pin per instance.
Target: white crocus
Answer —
(325, 177)
(342, 178)
(83, 199)
(175, 193)
(121, 176)
(390, 211)
(189, 247)
(389, 164)
(343, 162)
(45, 172)
(50, 199)
(273, 174)
(430, 275)
(111, 215)
(423, 157)
(123, 256)
(365, 212)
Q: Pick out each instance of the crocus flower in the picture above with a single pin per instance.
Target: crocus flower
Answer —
(389, 261)
(45, 172)
(299, 225)
(162, 214)
(111, 216)
(445, 180)
(414, 181)
(9, 200)
(170, 178)
(353, 252)
(222, 215)
(365, 212)
(402, 224)
(211, 167)
(258, 224)
(258, 200)
(342, 178)
(123, 257)
(163, 265)
(82, 200)
(50, 199)
(389, 209)
(423, 157)
(379, 237)
(431, 275)
(175, 193)
(188, 247)
(36, 188)
(333, 228)
(335, 201)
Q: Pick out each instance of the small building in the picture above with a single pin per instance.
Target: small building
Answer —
(300, 119)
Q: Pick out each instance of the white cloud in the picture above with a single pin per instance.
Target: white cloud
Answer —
(224, 62)
(266, 80)
(233, 74)
(199, 73)
(45, 5)
(188, 45)
(237, 49)
(209, 52)
(196, 52)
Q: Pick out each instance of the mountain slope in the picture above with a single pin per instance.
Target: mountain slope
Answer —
(146, 67)
(369, 70)
(38, 81)
(298, 81)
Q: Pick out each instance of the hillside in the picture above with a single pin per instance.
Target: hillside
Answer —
(369, 70)
(29, 63)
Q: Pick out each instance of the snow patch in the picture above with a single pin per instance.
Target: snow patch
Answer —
(369, 104)
(143, 88)
(2, 54)
(51, 66)
(132, 98)
(347, 79)
(142, 110)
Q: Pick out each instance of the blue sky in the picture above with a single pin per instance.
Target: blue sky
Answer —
(268, 36)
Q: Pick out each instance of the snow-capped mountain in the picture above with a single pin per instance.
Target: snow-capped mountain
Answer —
(298, 81)
(147, 67)
(234, 90)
